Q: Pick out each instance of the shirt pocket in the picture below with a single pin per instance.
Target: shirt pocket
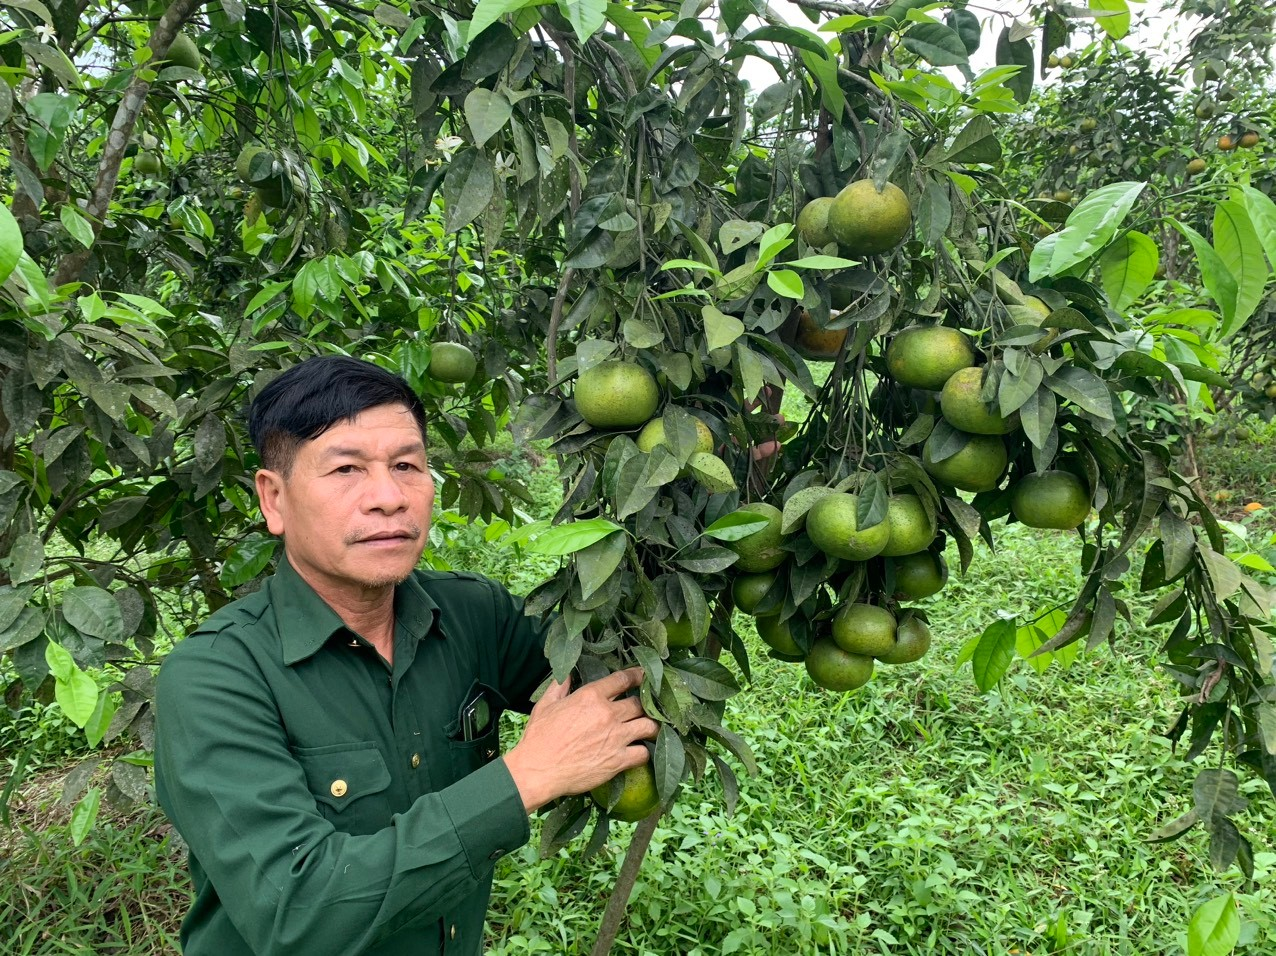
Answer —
(469, 755)
(349, 783)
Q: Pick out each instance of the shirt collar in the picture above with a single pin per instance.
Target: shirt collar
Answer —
(305, 622)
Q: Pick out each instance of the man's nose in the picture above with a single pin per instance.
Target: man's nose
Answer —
(383, 491)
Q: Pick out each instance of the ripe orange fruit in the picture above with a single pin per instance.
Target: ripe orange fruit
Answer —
(912, 641)
(1052, 499)
(920, 575)
(1253, 506)
(866, 222)
(924, 356)
(816, 343)
(965, 410)
(451, 362)
(1226, 142)
(615, 394)
(977, 467)
(834, 669)
(864, 629)
(761, 550)
(833, 526)
(911, 528)
(1249, 140)
(638, 796)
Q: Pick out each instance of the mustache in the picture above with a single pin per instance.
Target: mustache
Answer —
(412, 531)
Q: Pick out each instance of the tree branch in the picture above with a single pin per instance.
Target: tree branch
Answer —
(108, 171)
(555, 320)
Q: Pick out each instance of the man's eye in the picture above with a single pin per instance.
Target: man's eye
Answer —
(405, 466)
(344, 470)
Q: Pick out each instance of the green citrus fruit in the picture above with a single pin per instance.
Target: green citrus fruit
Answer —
(778, 636)
(1195, 166)
(653, 434)
(451, 362)
(816, 343)
(911, 528)
(833, 527)
(924, 356)
(761, 550)
(637, 799)
(1037, 306)
(244, 162)
(865, 222)
(146, 163)
(813, 222)
(864, 629)
(834, 669)
(912, 641)
(679, 632)
(748, 590)
(616, 394)
(1053, 499)
(965, 410)
(977, 467)
(920, 575)
(185, 53)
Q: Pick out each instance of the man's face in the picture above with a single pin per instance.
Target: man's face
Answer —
(355, 507)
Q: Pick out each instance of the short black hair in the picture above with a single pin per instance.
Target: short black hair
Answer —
(304, 402)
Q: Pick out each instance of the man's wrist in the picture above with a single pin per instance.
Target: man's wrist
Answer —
(532, 786)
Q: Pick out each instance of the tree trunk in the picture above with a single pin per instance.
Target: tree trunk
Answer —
(618, 902)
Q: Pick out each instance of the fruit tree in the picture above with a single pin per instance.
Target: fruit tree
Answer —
(581, 218)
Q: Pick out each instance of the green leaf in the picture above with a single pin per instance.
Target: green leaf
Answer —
(75, 691)
(785, 282)
(993, 653)
(1084, 389)
(25, 628)
(1215, 928)
(738, 233)
(1127, 268)
(1090, 227)
(14, 600)
(210, 443)
(1267, 725)
(1262, 214)
(821, 262)
(706, 678)
(10, 243)
(73, 221)
(1238, 246)
(1218, 279)
(937, 44)
(871, 502)
(669, 762)
(1037, 416)
(1117, 23)
(94, 612)
(793, 517)
(803, 40)
(85, 815)
(720, 329)
(100, 720)
(26, 558)
(596, 563)
(468, 186)
(572, 537)
(1016, 52)
(486, 112)
(734, 526)
(51, 114)
(247, 559)
(487, 12)
(824, 70)
(585, 16)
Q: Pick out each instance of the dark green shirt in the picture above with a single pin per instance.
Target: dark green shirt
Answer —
(329, 801)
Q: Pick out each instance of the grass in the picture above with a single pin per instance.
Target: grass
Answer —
(916, 816)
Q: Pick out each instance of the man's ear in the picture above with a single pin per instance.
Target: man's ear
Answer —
(270, 491)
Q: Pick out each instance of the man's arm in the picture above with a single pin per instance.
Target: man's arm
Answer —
(289, 881)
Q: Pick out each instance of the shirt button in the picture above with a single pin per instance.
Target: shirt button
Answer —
(454, 931)
(496, 854)
(416, 761)
(339, 788)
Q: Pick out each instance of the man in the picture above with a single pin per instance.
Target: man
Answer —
(327, 746)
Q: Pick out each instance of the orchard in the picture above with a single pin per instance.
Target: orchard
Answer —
(1011, 270)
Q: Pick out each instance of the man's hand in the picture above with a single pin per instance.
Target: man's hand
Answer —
(576, 740)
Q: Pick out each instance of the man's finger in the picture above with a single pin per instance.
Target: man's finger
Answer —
(613, 685)
(629, 708)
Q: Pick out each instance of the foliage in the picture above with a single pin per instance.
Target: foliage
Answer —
(589, 182)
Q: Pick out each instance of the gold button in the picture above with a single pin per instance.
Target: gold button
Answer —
(454, 931)
(339, 788)
(416, 761)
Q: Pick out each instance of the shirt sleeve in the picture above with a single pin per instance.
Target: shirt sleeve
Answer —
(520, 648)
(288, 880)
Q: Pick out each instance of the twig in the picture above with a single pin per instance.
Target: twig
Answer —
(555, 320)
